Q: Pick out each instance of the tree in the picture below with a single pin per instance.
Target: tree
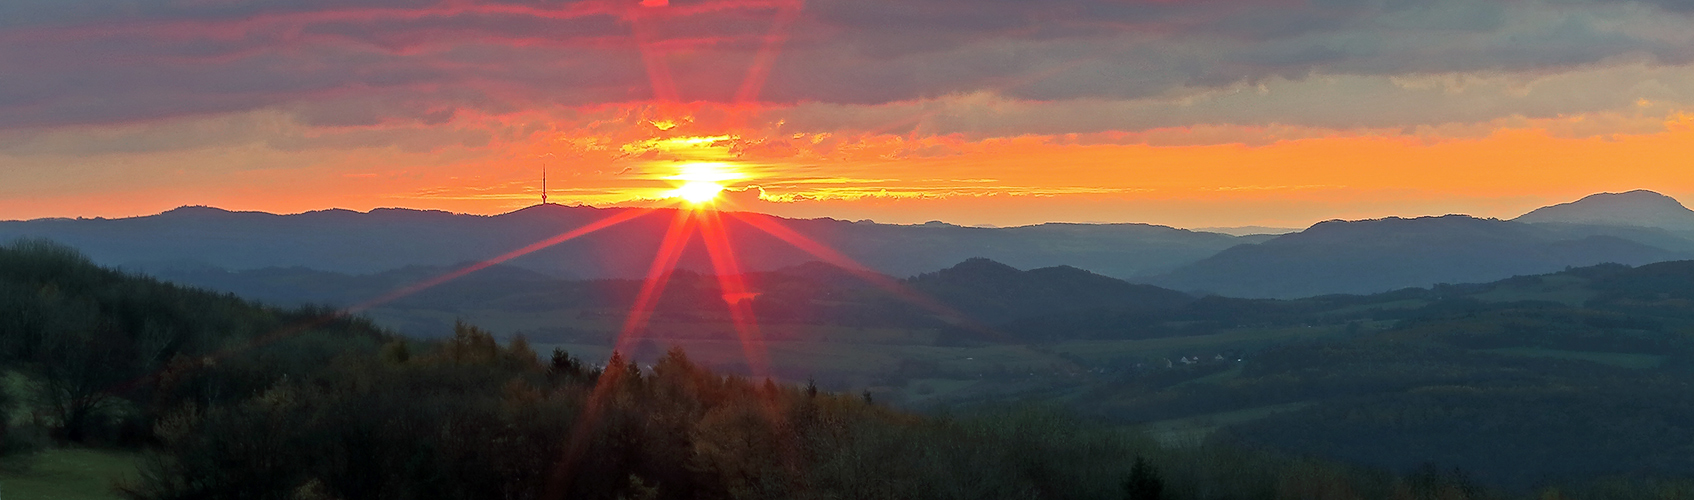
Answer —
(471, 346)
(1144, 482)
(396, 352)
(79, 369)
(563, 365)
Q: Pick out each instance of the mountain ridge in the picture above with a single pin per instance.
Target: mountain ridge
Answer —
(1335, 256)
(1379, 255)
(355, 242)
(1640, 207)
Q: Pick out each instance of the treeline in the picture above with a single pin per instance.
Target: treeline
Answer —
(83, 346)
(468, 418)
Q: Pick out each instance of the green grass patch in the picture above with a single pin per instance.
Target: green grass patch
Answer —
(1567, 290)
(1379, 306)
(1189, 431)
(1216, 378)
(16, 385)
(70, 474)
(1200, 345)
(1618, 359)
(934, 389)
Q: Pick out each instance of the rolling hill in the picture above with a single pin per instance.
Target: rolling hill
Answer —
(342, 241)
(1640, 208)
(993, 292)
(1372, 256)
(197, 243)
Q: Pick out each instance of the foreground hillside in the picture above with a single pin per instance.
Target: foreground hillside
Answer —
(256, 403)
(1524, 382)
(1575, 380)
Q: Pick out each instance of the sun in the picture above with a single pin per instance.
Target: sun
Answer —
(698, 192)
(702, 182)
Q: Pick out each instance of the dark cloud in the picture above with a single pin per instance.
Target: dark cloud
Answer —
(362, 62)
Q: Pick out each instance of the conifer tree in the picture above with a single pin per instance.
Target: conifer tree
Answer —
(1144, 482)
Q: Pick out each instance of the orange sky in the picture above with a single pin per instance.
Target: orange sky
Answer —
(1002, 182)
(1082, 111)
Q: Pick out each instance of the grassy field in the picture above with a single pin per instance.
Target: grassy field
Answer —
(1198, 345)
(1568, 290)
(1192, 430)
(923, 391)
(16, 386)
(1215, 378)
(1380, 306)
(1618, 359)
(69, 474)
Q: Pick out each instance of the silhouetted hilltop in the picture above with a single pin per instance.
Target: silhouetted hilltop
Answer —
(1386, 254)
(1634, 208)
(1250, 230)
(993, 292)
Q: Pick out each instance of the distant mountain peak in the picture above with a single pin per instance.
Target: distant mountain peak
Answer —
(981, 265)
(1632, 208)
(1392, 231)
(198, 212)
(195, 209)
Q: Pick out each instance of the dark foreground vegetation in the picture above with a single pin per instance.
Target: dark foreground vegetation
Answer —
(229, 399)
(1525, 383)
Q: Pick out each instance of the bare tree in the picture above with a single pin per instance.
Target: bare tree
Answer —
(81, 367)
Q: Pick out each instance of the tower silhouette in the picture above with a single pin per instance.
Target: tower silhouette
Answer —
(544, 183)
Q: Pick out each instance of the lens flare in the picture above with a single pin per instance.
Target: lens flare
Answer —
(698, 192)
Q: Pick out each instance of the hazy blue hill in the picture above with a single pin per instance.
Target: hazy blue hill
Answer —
(993, 292)
(1119, 250)
(337, 240)
(1250, 230)
(1387, 254)
(1635, 208)
(1650, 236)
(298, 286)
(350, 242)
(985, 291)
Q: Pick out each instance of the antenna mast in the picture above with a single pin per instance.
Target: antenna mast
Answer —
(543, 183)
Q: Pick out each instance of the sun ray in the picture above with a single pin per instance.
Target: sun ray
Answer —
(658, 275)
(658, 70)
(734, 288)
(664, 262)
(623, 215)
(760, 71)
(830, 256)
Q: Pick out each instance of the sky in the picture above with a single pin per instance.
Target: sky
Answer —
(1193, 113)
